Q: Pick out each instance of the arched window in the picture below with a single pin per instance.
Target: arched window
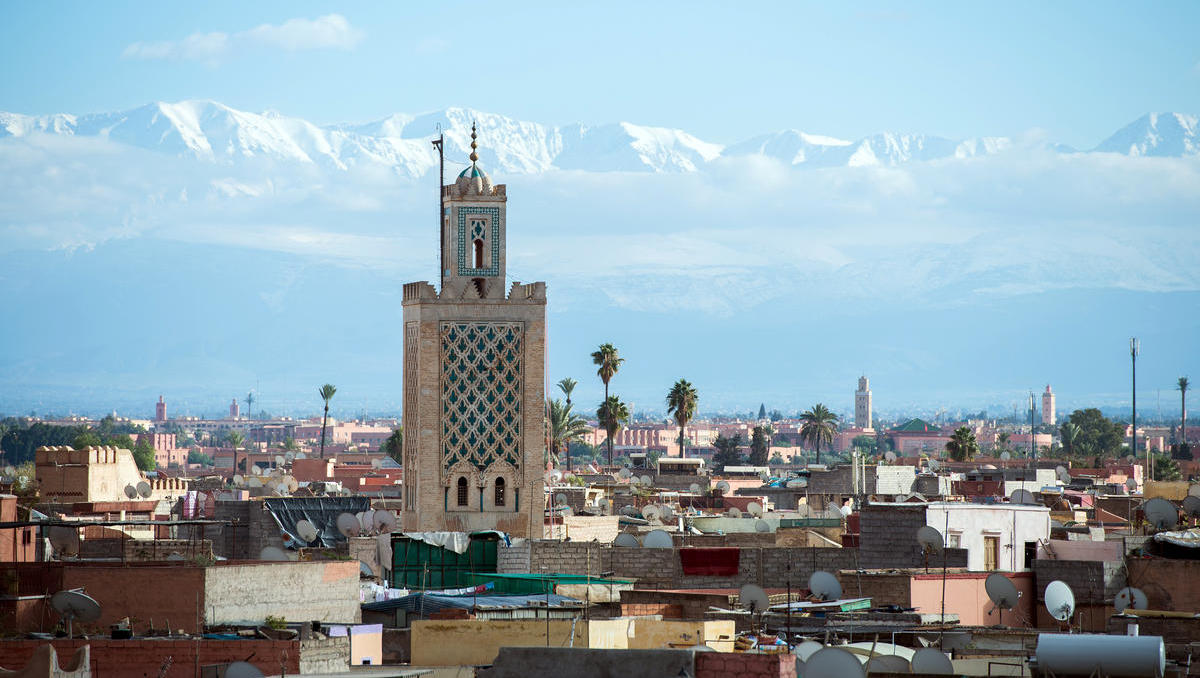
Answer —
(478, 252)
(462, 491)
(499, 492)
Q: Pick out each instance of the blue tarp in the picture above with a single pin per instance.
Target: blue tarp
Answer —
(429, 602)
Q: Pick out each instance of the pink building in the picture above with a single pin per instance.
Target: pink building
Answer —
(160, 410)
(166, 453)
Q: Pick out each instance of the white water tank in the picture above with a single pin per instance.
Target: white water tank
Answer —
(1085, 654)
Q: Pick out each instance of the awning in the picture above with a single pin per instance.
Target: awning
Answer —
(428, 602)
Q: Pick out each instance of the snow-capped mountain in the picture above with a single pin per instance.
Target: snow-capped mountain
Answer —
(1156, 135)
(213, 132)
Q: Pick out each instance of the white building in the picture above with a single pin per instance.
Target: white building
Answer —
(996, 536)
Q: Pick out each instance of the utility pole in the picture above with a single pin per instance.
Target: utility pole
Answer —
(1135, 347)
(1032, 444)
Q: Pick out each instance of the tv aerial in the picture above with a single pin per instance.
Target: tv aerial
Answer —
(665, 512)
(761, 525)
(1021, 496)
(254, 481)
(797, 484)
(824, 586)
(75, 604)
(364, 569)
(131, 492)
(143, 489)
(657, 539)
(1130, 598)
(1002, 591)
(930, 539)
(753, 599)
(348, 525)
(605, 506)
(238, 480)
(723, 487)
(931, 661)
(377, 463)
(555, 476)
(306, 531)
(301, 455)
(755, 509)
(289, 457)
(833, 662)
(1130, 485)
(1060, 600)
(627, 510)
(626, 540)
(1161, 513)
(242, 670)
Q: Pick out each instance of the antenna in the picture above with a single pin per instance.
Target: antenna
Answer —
(934, 464)
(1002, 591)
(376, 463)
(755, 509)
(306, 531)
(626, 540)
(1130, 597)
(930, 539)
(348, 525)
(657, 539)
(753, 599)
(930, 660)
(1130, 485)
(560, 499)
(143, 489)
(824, 586)
(555, 476)
(280, 460)
(1193, 491)
(627, 510)
(604, 505)
(1161, 513)
(833, 662)
(75, 604)
(366, 520)
(625, 473)
(364, 569)
(242, 670)
(256, 469)
(1060, 600)
(797, 483)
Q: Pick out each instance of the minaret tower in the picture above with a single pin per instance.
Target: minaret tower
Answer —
(1048, 414)
(862, 404)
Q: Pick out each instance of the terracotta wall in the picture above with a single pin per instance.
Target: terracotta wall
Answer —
(137, 658)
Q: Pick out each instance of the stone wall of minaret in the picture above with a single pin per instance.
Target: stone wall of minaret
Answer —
(862, 404)
(1048, 413)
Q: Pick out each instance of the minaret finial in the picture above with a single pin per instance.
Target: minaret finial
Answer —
(474, 155)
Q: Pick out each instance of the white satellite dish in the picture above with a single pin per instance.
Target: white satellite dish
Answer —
(890, 457)
(833, 662)
(761, 525)
(931, 661)
(806, 649)
(1021, 496)
(1005, 456)
(930, 539)
(560, 499)
(237, 479)
(1161, 513)
(1002, 591)
(755, 509)
(1191, 505)
(143, 489)
(626, 540)
(273, 553)
(1060, 600)
(657, 539)
(1064, 476)
(627, 510)
(254, 482)
(651, 512)
(306, 531)
(385, 522)
(824, 586)
(665, 512)
(72, 605)
(604, 505)
(291, 482)
(256, 469)
(65, 540)
(377, 463)
(694, 488)
(348, 525)
(1130, 598)
(723, 487)
(646, 480)
(753, 599)
(301, 455)
(131, 492)
(625, 473)
(279, 460)
(1194, 491)
(366, 520)
(242, 670)
(289, 457)
(887, 663)
(734, 512)
(555, 476)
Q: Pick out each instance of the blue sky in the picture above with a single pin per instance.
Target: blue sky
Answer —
(723, 71)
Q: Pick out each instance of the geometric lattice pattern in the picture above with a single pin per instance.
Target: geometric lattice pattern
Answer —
(481, 393)
(475, 230)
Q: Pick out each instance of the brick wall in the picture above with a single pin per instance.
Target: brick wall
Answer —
(1092, 581)
(513, 559)
(889, 539)
(744, 665)
(146, 657)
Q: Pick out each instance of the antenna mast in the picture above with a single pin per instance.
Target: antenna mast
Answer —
(439, 144)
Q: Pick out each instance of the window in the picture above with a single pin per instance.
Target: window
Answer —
(478, 252)
(462, 491)
(499, 492)
(954, 540)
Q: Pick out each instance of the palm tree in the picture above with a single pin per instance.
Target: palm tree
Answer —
(327, 391)
(612, 414)
(1068, 432)
(235, 438)
(250, 405)
(608, 362)
(566, 385)
(566, 427)
(681, 404)
(819, 427)
(962, 444)
(1183, 389)
(1002, 441)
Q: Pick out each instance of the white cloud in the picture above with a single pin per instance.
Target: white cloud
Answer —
(332, 31)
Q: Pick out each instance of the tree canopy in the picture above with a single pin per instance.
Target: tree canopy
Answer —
(727, 451)
(1098, 435)
(962, 445)
(818, 428)
(760, 444)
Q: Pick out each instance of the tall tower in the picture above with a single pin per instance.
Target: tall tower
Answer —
(474, 371)
(862, 404)
(234, 410)
(160, 410)
(1048, 417)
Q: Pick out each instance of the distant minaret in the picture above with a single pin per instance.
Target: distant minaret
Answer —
(1048, 407)
(862, 404)
(160, 410)
(234, 410)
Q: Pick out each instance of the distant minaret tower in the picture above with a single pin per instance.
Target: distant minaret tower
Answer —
(862, 404)
(234, 410)
(160, 410)
(1048, 407)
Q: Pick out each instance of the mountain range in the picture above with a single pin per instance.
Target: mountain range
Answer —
(213, 132)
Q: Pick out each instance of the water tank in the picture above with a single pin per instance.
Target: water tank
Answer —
(1086, 654)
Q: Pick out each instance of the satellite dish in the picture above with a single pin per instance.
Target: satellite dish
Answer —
(364, 569)
(385, 522)
(604, 505)
(1193, 491)
(1130, 484)
(279, 460)
(1060, 600)
(560, 499)
(289, 457)
(1063, 474)
(256, 469)
(651, 512)
(930, 539)
(797, 484)
(301, 455)
(694, 488)
(376, 463)
(755, 509)
(824, 586)
(237, 479)
(625, 473)
(273, 553)
(626, 540)
(366, 520)
(242, 670)
(254, 482)
(131, 491)
(646, 480)
(934, 464)
(665, 512)
(1001, 590)
(752, 598)
(291, 482)
(65, 540)
(931, 661)
(834, 513)
(1130, 597)
(1161, 513)
(143, 489)
(887, 663)
(1021, 496)
(761, 525)
(627, 511)
(72, 605)
(348, 525)
(1191, 505)
(723, 487)
(306, 531)
(890, 457)
(1005, 456)
(806, 649)
(833, 662)
(657, 539)
(555, 476)
(734, 512)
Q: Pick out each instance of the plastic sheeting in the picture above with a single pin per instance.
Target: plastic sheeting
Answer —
(1187, 538)
(429, 602)
(451, 541)
(322, 512)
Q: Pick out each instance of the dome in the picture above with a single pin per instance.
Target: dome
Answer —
(473, 179)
